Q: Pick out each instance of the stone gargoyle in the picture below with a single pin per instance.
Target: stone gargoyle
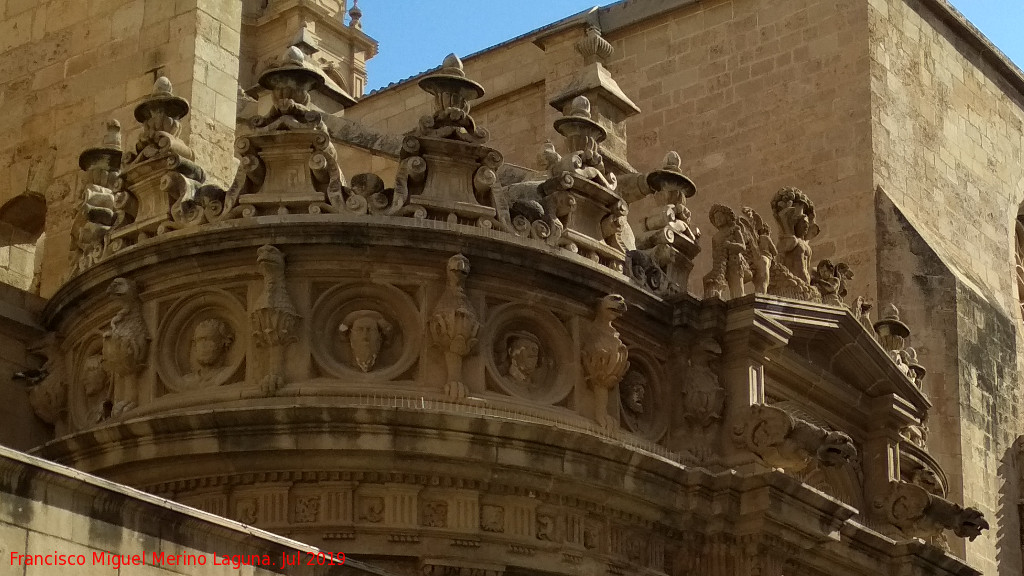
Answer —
(784, 441)
(921, 514)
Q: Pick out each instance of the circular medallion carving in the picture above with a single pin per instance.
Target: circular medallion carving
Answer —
(202, 342)
(365, 332)
(641, 397)
(528, 353)
(90, 385)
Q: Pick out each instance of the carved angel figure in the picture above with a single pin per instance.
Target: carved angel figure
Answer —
(830, 280)
(794, 212)
(125, 344)
(604, 356)
(729, 266)
(454, 324)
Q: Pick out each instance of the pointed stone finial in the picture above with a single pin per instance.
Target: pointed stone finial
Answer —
(892, 333)
(452, 64)
(112, 138)
(580, 107)
(293, 56)
(593, 47)
(162, 99)
(355, 14)
(673, 162)
(162, 86)
(107, 155)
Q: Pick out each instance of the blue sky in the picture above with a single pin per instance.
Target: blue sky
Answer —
(416, 35)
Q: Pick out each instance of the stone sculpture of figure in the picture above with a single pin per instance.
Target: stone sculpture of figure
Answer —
(95, 383)
(454, 325)
(125, 344)
(211, 340)
(795, 214)
(729, 266)
(275, 320)
(633, 393)
(604, 355)
(367, 331)
(862, 311)
(523, 356)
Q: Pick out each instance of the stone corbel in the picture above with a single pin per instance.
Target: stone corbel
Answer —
(921, 514)
(784, 441)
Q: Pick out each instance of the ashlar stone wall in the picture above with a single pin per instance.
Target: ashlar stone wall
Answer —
(947, 137)
(68, 65)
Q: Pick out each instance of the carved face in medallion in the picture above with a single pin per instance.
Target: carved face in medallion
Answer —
(210, 342)
(94, 377)
(366, 331)
(633, 390)
(523, 356)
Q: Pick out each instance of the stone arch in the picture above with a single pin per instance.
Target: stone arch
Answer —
(22, 236)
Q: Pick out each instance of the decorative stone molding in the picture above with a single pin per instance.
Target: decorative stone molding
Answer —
(454, 325)
(604, 356)
(784, 441)
(125, 345)
(921, 514)
(274, 319)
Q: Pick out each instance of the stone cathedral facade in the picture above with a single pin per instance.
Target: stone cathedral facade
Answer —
(682, 288)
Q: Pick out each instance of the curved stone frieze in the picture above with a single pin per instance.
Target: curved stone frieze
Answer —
(365, 332)
(203, 342)
(529, 354)
(641, 397)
